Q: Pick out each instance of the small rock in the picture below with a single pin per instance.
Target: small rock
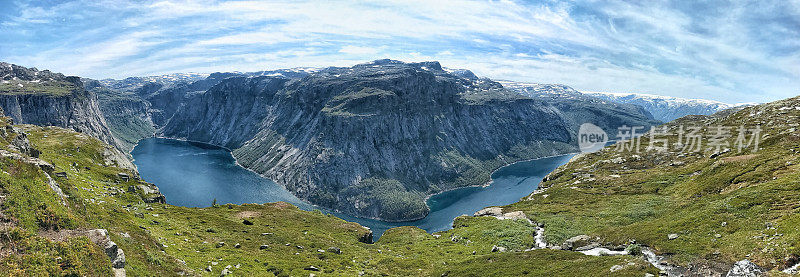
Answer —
(672, 236)
(263, 246)
(247, 222)
(312, 268)
(208, 268)
(334, 249)
(220, 244)
(225, 272)
(616, 268)
(237, 246)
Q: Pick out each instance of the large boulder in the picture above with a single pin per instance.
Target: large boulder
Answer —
(490, 211)
(576, 242)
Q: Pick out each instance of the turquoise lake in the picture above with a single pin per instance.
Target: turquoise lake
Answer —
(194, 174)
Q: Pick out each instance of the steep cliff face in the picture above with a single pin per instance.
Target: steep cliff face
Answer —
(375, 139)
(30, 96)
(228, 114)
(128, 115)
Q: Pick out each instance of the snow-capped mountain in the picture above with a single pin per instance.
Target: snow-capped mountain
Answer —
(666, 108)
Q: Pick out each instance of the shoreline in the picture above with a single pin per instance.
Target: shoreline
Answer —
(489, 183)
(324, 209)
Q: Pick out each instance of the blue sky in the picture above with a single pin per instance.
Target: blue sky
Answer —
(731, 51)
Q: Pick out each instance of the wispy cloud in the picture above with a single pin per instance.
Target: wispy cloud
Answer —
(729, 51)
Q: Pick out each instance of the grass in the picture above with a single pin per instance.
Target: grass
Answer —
(165, 240)
(57, 88)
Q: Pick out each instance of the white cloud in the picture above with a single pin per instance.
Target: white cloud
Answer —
(359, 50)
(250, 38)
(655, 47)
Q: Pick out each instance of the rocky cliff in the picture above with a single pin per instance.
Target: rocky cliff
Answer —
(374, 139)
(30, 96)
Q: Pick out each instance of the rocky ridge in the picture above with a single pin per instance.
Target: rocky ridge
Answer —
(30, 96)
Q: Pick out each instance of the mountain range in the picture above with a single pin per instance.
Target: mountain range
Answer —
(667, 108)
(372, 140)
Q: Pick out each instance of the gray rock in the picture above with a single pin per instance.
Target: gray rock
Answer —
(745, 268)
(672, 236)
(576, 242)
(590, 246)
(490, 211)
(101, 238)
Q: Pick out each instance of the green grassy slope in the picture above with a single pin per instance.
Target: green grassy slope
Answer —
(724, 208)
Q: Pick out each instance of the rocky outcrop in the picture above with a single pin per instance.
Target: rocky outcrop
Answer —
(101, 238)
(30, 96)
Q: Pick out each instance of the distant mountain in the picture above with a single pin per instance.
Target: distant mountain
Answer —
(133, 82)
(576, 108)
(665, 108)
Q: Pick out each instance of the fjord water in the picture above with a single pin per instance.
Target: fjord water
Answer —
(194, 174)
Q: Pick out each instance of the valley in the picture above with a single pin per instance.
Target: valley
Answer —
(425, 219)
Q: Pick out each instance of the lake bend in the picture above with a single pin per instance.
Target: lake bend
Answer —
(194, 174)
